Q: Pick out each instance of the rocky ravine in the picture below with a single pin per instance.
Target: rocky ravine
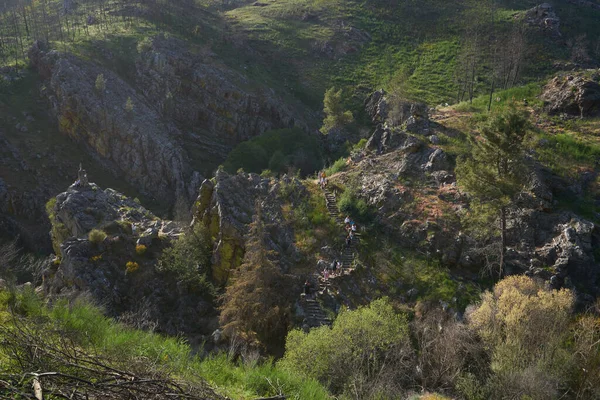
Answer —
(188, 112)
(137, 144)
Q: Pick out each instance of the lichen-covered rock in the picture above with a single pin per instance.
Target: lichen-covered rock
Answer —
(137, 143)
(217, 103)
(544, 17)
(117, 271)
(573, 95)
(233, 203)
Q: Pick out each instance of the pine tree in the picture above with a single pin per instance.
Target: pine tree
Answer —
(335, 115)
(496, 172)
(256, 306)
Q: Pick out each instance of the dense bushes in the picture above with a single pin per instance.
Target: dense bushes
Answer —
(366, 352)
(188, 260)
(277, 150)
(350, 204)
(521, 342)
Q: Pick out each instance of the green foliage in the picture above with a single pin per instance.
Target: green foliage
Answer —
(338, 166)
(84, 325)
(256, 306)
(366, 336)
(504, 99)
(129, 106)
(140, 249)
(188, 260)
(358, 209)
(495, 173)
(277, 150)
(131, 267)
(96, 236)
(144, 45)
(335, 115)
(100, 83)
(525, 326)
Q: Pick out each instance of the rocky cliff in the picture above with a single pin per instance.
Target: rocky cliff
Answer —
(227, 205)
(136, 143)
(113, 270)
(218, 106)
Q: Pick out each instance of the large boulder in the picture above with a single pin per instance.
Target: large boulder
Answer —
(572, 94)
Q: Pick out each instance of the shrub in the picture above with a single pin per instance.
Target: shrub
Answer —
(188, 260)
(96, 236)
(277, 150)
(525, 326)
(140, 249)
(144, 45)
(131, 267)
(362, 347)
(350, 204)
(338, 166)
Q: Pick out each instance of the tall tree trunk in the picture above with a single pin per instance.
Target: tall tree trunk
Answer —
(503, 240)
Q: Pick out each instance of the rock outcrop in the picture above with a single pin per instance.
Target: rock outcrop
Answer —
(412, 117)
(89, 103)
(544, 17)
(98, 267)
(572, 94)
(227, 207)
(216, 104)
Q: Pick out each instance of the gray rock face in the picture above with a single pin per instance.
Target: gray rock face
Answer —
(137, 143)
(143, 296)
(228, 206)
(209, 99)
(413, 117)
(574, 95)
(544, 17)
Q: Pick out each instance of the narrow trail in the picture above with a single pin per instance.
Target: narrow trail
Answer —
(315, 316)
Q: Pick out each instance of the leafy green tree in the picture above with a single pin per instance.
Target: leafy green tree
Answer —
(335, 115)
(188, 260)
(495, 173)
(353, 354)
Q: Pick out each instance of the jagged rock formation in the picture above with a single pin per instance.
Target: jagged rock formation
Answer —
(394, 112)
(227, 206)
(140, 294)
(214, 102)
(136, 143)
(573, 95)
(544, 17)
(191, 113)
(556, 245)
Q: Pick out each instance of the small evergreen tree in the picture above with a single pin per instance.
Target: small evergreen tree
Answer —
(256, 306)
(335, 115)
(495, 173)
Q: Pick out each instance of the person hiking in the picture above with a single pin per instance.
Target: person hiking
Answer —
(333, 267)
(347, 220)
(307, 288)
(348, 241)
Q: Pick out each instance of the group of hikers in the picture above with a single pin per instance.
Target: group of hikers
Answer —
(323, 179)
(335, 267)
